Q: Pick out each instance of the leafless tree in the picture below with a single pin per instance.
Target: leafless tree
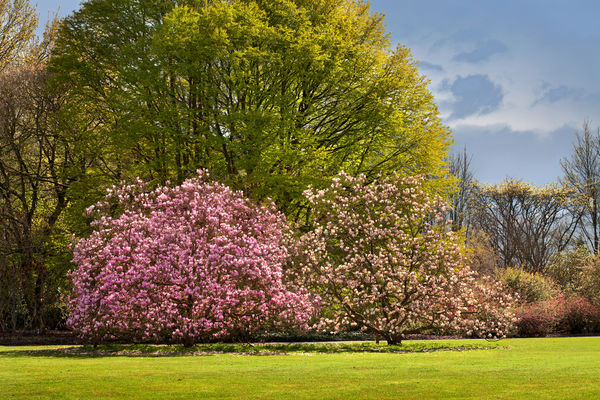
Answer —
(525, 225)
(460, 168)
(582, 174)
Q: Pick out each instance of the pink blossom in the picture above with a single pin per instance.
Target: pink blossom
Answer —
(194, 262)
(378, 261)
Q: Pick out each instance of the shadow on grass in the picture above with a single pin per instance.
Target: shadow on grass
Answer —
(151, 350)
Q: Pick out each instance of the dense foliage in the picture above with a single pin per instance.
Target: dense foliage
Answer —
(529, 287)
(195, 262)
(563, 314)
(268, 96)
(376, 259)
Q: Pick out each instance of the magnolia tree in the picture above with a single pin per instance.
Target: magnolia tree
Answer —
(187, 263)
(375, 258)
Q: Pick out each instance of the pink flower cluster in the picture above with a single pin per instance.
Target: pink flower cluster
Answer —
(379, 261)
(195, 262)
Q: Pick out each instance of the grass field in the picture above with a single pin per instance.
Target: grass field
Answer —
(557, 368)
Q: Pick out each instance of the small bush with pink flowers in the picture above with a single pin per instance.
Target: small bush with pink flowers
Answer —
(379, 261)
(195, 262)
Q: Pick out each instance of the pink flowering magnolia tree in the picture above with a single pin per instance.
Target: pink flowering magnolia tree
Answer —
(195, 262)
(375, 258)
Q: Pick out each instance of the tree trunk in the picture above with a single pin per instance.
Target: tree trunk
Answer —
(595, 223)
(38, 305)
(394, 340)
(188, 341)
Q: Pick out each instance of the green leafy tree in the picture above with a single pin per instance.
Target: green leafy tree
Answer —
(18, 21)
(270, 96)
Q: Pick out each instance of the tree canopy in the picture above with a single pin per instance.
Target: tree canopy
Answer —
(18, 20)
(269, 96)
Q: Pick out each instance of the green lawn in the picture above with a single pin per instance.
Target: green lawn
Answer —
(560, 368)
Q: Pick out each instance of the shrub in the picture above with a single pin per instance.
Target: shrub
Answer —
(578, 315)
(589, 281)
(571, 315)
(481, 258)
(529, 287)
(538, 319)
(195, 262)
(578, 273)
(566, 268)
(375, 258)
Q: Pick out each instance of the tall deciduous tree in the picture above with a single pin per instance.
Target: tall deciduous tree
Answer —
(268, 95)
(18, 20)
(582, 174)
(39, 161)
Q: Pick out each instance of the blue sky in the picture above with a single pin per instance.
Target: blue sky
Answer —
(513, 79)
(49, 7)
